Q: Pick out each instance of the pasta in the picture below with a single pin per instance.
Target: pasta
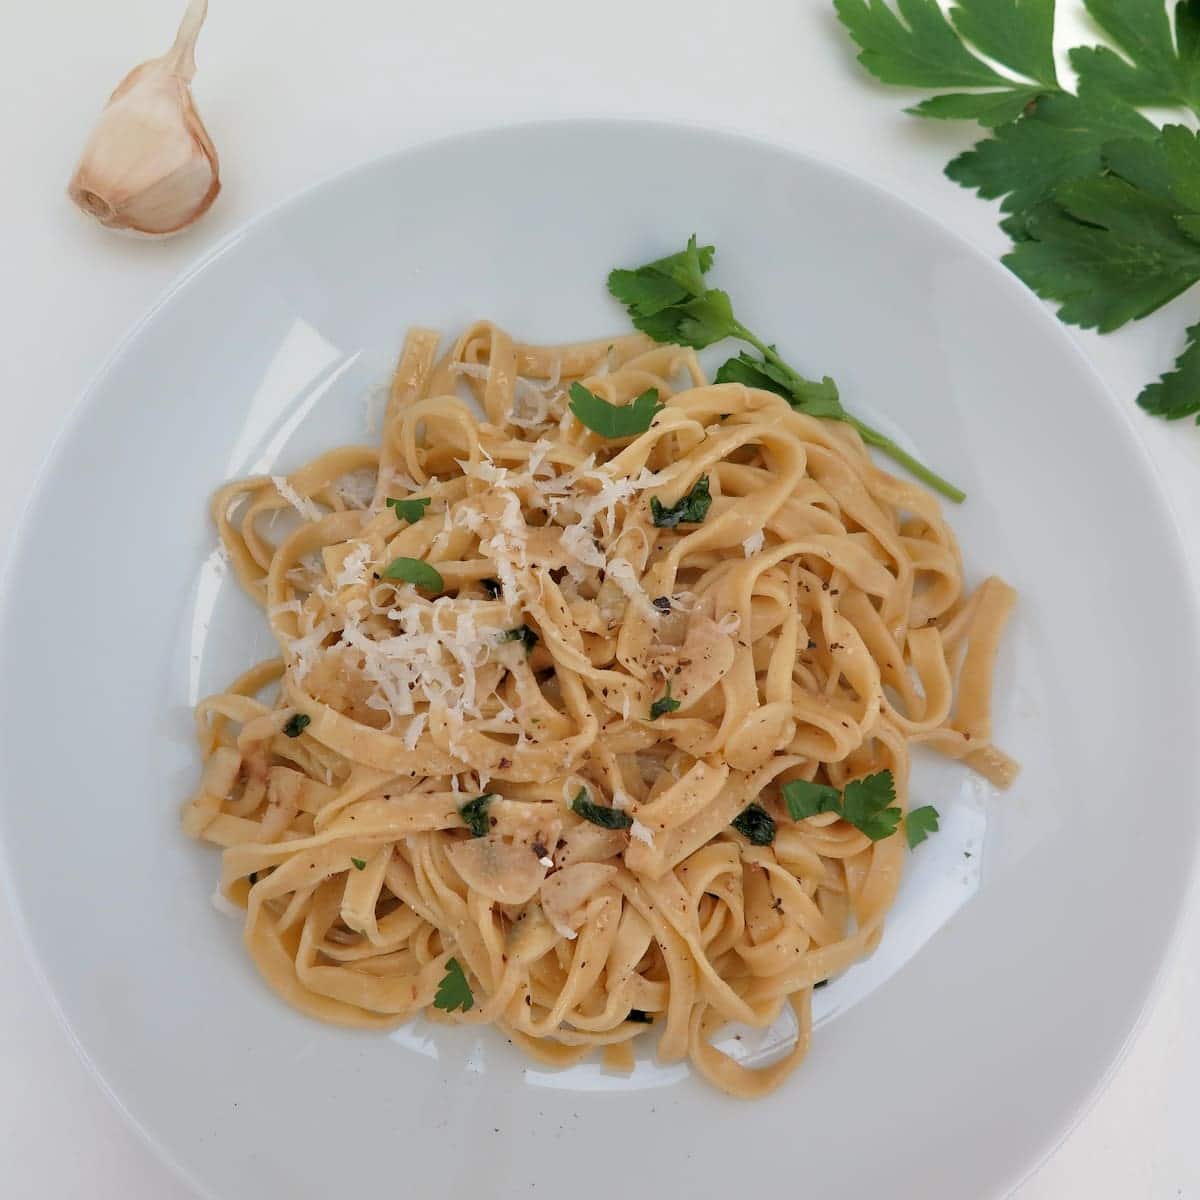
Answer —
(520, 702)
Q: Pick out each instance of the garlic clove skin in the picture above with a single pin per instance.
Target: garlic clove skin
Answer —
(149, 165)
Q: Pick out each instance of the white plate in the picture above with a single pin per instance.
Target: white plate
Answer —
(948, 1079)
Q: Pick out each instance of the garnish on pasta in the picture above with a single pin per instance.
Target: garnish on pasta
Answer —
(608, 677)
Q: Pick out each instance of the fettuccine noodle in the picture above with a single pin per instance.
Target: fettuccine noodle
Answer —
(813, 625)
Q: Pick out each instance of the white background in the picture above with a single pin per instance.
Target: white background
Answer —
(295, 90)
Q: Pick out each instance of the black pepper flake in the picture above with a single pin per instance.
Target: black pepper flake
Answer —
(539, 850)
(811, 644)
(253, 877)
(376, 575)
(640, 1018)
(662, 603)
(820, 984)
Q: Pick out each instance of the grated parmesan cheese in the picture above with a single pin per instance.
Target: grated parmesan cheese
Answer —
(642, 833)
(356, 489)
(353, 565)
(305, 507)
(412, 735)
(753, 544)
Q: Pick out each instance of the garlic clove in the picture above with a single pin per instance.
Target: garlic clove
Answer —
(149, 165)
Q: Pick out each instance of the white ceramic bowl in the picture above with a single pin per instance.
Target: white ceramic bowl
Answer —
(1041, 916)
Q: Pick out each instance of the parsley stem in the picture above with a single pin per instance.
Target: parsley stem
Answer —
(881, 442)
(869, 435)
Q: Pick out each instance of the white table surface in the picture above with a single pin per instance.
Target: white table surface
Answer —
(293, 91)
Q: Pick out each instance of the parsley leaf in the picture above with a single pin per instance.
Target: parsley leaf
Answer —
(599, 814)
(755, 824)
(1062, 139)
(919, 824)
(1152, 73)
(614, 420)
(409, 510)
(690, 509)
(414, 571)
(664, 282)
(869, 805)
(522, 633)
(454, 991)
(297, 724)
(804, 799)
(1177, 393)
(668, 300)
(804, 395)
(988, 108)
(664, 704)
(1017, 33)
(474, 814)
(1107, 251)
(360, 864)
(925, 52)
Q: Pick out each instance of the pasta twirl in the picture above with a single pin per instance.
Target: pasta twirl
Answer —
(811, 623)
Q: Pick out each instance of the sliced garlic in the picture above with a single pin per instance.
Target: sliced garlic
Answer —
(149, 165)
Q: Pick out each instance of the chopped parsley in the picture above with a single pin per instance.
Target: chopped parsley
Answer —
(474, 814)
(664, 704)
(599, 814)
(411, 510)
(297, 724)
(690, 509)
(755, 824)
(522, 633)
(454, 991)
(869, 805)
(360, 864)
(414, 571)
(614, 420)
(804, 799)
(919, 824)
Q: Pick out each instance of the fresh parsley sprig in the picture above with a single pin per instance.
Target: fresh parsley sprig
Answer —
(670, 300)
(410, 510)
(416, 572)
(614, 420)
(599, 814)
(919, 824)
(690, 509)
(1103, 206)
(297, 723)
(666, 703)
(454, 992)
(475, 814)
(755, 824)
(869, 804)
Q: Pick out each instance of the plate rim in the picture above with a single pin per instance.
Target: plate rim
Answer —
(1181, 554)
